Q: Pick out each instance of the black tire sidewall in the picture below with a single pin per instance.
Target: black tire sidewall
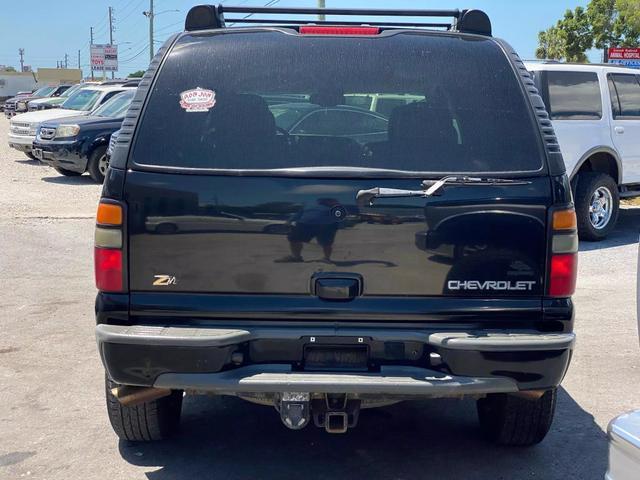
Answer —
(92, 164)
(587, 184)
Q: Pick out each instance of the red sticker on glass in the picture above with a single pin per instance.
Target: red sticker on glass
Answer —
(197, 100)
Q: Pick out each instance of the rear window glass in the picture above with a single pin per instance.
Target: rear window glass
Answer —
(574, 95)
(410, 102)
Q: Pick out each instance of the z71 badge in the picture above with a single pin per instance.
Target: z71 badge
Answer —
(164, 280)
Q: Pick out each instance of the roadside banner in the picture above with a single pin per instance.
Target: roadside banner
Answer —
(104, 57)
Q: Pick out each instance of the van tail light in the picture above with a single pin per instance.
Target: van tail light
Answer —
(563, 268)
(108, 255)
(322, 30)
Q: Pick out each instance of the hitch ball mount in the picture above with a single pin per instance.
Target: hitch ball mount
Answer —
(335, 412)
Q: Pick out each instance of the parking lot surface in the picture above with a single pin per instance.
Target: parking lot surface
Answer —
(53, 423)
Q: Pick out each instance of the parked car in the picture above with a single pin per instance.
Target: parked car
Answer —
(595, 111)
(624, 431)
(12, 99)
(23, 127)
(112, 144)
(364, 318)
(22, 105)
(55, 102)
(11, 104)
(380, 102)
(307, 119)
(74, 145)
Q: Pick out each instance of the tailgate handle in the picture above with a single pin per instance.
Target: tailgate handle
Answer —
(336, 286)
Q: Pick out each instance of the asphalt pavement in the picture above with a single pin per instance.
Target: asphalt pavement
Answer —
(53, 423)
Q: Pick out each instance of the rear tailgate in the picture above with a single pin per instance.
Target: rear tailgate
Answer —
(235, 214)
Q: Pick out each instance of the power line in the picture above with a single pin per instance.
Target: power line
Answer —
(136, 55)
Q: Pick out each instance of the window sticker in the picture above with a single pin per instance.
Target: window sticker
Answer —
(197, 100)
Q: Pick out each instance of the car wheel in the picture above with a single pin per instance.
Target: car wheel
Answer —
(507, 419)
(597, 204)
(67, 173)
(148, 421)
(98, 164)
(32, 156)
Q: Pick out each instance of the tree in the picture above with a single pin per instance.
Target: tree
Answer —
(576, 33)
(604, 24)
(137, 74)
(628, 25)
(550, 44)
(568, 40)
(9, 69)
(614, 23)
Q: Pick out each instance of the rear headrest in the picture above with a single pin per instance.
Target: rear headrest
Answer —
(242, 116)
(419, 121)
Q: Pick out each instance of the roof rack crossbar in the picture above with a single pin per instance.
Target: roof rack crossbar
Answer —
(204, 17)
(344, 11)
(273, 21)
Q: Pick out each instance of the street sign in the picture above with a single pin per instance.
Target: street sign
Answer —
(104, 57)
(629, 57)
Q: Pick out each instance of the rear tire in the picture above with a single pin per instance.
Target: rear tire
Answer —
(590, 186)
(145, 422)
(98, 164)
(515, 421)
(67, 173)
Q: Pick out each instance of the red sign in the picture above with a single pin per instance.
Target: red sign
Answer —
(629, 57)
(624, 53)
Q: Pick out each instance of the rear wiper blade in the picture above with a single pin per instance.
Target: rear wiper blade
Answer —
(431, 187)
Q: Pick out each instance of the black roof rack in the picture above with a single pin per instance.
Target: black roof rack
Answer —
(205, 17)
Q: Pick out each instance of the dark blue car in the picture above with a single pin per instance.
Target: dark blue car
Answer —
(79, 144)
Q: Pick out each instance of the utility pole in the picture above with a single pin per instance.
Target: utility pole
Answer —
(111, 33)
(321, 4)
(150, 14)
(90, 44)
(21, 52)
(66, 60)
(78, 59)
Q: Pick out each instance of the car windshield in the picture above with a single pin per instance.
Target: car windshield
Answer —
(408, 102)
(43, 92)
(71, 90)
(82, 100)
(116, 107)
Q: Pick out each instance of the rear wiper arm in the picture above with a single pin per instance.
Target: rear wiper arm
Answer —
(431, 187)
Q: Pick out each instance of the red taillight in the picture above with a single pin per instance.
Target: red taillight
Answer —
(108, 247)
(321, 30)
(108, 265)
(562, 278)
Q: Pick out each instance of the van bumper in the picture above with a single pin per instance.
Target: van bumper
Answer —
(399, 362)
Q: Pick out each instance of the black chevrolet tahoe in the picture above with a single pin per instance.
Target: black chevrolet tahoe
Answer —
(330, 268)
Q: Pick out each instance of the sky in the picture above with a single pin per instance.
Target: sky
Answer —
(48, 30)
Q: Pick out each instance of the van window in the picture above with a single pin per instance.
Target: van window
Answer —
(574, 95)
(628, 96)
(297, 102)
